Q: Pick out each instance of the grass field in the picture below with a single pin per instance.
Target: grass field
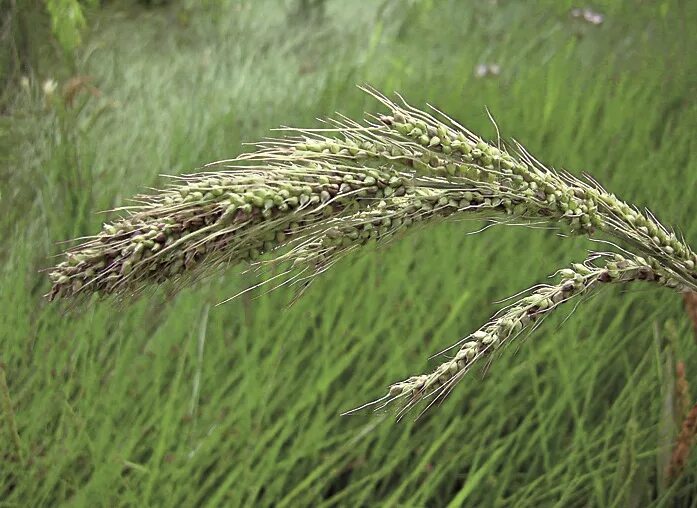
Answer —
(174, 401)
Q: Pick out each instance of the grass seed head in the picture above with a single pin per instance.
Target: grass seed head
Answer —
(310, 199)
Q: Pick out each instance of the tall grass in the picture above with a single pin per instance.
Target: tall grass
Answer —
(175, 401)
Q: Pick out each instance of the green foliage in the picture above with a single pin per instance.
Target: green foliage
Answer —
(68, 21)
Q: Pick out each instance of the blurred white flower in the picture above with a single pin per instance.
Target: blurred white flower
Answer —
(483, 70)
(588, 15)
(49, 87)
(593, 18)
(24, 82)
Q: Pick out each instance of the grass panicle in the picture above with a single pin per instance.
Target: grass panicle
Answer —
(522, 316)
(312, 197)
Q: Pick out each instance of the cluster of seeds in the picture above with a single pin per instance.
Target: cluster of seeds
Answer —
(646, 234)
(207, 219)
(579, 279)
(385, 219)
(420, 144)
(536, 192)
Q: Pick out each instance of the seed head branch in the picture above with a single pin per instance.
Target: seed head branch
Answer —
(521, 316)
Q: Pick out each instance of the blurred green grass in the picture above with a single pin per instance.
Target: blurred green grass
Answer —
(174, 401)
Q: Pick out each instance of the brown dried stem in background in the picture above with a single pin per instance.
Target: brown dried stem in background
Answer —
(683, 446)
(690, 299)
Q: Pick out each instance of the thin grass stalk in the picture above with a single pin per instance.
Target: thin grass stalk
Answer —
(9, 418)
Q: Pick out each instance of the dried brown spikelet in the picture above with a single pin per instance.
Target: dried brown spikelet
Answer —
(682, 392)
(683, 445)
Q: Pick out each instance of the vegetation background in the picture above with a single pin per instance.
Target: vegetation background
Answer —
(172, 401)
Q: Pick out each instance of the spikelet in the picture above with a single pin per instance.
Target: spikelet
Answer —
(683, 445)
(682, 392)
